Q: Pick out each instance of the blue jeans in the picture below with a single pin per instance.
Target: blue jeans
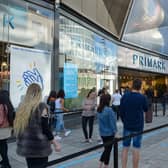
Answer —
(136, 140)
(59, 123)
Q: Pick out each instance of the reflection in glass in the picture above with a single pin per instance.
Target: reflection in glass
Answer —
(147, 25)
(94, 56)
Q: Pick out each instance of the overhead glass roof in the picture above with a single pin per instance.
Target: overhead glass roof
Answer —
(147, 25)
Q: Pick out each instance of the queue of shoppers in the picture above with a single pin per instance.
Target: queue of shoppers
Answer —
(34, 135)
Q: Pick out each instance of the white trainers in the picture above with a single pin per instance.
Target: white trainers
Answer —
(67, 132)
(85, 141)
(100, 143)
(90, 141)
(57, 137)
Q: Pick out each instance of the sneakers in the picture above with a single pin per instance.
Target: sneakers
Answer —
(57, 137)
(90, 141)
(67, 132)
(85, 141)
(100, 142)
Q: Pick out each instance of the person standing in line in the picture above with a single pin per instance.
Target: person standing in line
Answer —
(102, 92)
(51, 100)
(51, 103)
(149, 114)
(107, 128)
(59, 108)
(88, 115)
(132, 108)
(116, 97)
(6, 123)
(34, 137)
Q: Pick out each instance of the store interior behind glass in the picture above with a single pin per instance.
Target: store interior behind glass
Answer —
(158, 82)
(4, 66)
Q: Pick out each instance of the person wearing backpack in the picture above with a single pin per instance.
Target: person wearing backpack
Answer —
(51, 100)
(51, 103)
(6, 123)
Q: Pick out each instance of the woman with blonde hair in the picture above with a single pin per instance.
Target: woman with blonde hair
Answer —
(31, 127)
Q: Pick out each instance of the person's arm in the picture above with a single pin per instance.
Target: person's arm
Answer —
(112, 99)
(57, 145)
(62, 105)
(46, 130)
(121, 109)
(113, 120)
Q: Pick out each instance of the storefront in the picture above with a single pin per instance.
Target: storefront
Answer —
(150, 69)
(93, 55)
(45, 44)
(26, 45)
(76, 59)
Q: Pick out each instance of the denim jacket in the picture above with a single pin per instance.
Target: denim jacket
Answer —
(107, 122)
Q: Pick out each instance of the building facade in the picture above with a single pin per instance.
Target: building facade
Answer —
(66, 44)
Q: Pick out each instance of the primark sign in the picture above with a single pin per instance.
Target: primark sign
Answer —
(133, 59)
(149, 62)
(8, 20)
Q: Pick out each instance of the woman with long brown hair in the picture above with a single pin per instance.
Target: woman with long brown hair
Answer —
(34, 136)
(6, 123)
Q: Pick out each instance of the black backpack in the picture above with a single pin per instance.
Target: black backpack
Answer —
(52, 106)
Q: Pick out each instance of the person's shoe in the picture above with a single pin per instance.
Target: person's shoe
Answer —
(57, 137)
(90, 140)
(100, 142)
(67, 132)
(5, 166)
(85, 141)
(54, 133)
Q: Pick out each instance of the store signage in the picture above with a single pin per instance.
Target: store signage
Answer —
(149, 62)
(8, 20)
(133, 59)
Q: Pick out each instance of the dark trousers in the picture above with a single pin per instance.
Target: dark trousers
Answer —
(116, 109)
(4, 152)
(37, 162)
(85, 120)
(105, 157)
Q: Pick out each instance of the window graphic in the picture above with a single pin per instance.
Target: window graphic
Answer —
(28, 66)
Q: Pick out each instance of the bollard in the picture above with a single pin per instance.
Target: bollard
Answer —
(115, 153)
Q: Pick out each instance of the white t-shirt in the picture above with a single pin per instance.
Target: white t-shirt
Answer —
(116, 97)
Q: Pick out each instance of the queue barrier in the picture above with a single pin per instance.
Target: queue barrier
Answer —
(91, 149)
(115, 146)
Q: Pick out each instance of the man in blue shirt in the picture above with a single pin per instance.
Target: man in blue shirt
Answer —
(132, 108)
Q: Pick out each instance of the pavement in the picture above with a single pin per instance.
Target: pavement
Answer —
(154, 152)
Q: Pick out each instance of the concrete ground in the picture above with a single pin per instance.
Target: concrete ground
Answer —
(154, 152)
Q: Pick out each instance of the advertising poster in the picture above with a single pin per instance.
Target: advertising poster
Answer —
(70, 80)
(28, 66)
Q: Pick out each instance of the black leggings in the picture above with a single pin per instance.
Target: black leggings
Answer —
(4, 152)
(37, 162)
(105, 157)
(84, 126)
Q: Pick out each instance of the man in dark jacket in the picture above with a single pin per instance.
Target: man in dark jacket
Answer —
(132, 107)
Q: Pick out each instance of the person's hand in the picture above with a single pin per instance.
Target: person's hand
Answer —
(57, 147)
